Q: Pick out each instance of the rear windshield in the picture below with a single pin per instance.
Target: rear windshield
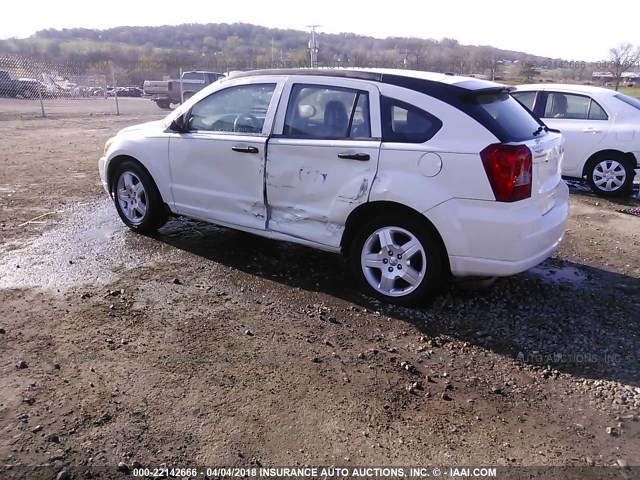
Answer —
(634, 102)
(192, 76)
(504, 116)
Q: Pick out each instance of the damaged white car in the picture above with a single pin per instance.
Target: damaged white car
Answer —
(415, 176)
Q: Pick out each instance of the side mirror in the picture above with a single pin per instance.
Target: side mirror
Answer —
(179, 124)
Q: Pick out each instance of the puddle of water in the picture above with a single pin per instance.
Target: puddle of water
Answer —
(89, 244)
(583, 186)
(556, 275)
(101, 234)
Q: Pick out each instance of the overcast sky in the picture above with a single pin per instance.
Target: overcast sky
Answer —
(558, 29)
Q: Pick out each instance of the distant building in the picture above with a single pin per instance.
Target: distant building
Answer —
(604, 78)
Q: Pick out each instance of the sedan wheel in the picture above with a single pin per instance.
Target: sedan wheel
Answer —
(137, 199)
(610, 176)
(132, 197)
(398, 262)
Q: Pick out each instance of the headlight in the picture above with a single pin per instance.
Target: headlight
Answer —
(106, 146)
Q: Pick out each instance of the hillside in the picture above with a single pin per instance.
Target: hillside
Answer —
(145, 52)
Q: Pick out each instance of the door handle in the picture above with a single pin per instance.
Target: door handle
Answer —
(237, 148)
(591, 130)
(362, 157)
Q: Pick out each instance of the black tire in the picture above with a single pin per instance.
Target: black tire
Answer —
(428, 262)
(140, 208)
(163, 104)
(621, 173)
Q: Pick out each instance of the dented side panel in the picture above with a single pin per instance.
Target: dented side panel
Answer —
(212, 181)
(311, 191)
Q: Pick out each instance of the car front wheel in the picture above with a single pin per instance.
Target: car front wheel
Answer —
(397, 260)
(137, 199)
(610, 176)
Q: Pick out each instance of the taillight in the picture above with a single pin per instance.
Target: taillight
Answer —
(509, 168)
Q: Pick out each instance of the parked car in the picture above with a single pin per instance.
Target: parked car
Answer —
(414, 176)
(601, 129)
(130, 92)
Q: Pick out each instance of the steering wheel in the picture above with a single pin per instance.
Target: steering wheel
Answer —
(246, 123)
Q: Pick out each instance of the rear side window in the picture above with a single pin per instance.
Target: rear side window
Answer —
(405, 123)
(503, 115)
(327, 112)
(526, 98)
(575, 107)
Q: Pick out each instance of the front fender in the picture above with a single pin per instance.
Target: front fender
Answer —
(153, 154)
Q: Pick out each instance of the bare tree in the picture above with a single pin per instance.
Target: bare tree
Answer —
(621, 59)
(528, 70)
(418, 48)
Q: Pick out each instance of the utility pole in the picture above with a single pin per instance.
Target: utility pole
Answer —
(314, 46)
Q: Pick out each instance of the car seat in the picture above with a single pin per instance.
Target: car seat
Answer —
(336, 119)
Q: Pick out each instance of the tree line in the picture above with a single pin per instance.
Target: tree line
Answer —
(135, 54)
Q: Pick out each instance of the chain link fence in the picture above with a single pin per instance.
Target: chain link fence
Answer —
(35, 87)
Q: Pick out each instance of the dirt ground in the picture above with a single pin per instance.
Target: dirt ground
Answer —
(206, 347)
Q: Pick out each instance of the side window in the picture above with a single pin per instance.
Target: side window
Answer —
(405, 123)
(567, 105)
(325, 112)
(526, 98)
(596, 112)
(235, 109)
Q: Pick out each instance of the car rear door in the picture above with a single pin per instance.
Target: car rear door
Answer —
(582, 121)
(323, 156)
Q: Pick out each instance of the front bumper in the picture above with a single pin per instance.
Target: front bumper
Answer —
(102, 168)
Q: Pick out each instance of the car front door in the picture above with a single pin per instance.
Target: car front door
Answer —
(583, 123)
(217, 163)
(322, 158)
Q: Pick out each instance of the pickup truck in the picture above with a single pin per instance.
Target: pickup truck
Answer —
(166, 92)
(8, 86)
(18, 88)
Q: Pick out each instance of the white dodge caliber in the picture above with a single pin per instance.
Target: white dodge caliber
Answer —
(414, 176)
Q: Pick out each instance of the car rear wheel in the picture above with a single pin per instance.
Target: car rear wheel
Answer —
(397, 260)
(163, 104)
(137, 199)
(610, 175)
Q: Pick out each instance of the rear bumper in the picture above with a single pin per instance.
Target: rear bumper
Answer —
(156, 96)
(499, 239)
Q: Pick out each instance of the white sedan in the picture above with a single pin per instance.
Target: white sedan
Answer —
(601, 128)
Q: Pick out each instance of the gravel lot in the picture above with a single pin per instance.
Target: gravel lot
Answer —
(203, 346)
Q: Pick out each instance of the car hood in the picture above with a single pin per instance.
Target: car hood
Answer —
(144, 126)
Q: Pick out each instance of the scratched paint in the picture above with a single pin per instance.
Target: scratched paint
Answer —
(362, 192)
